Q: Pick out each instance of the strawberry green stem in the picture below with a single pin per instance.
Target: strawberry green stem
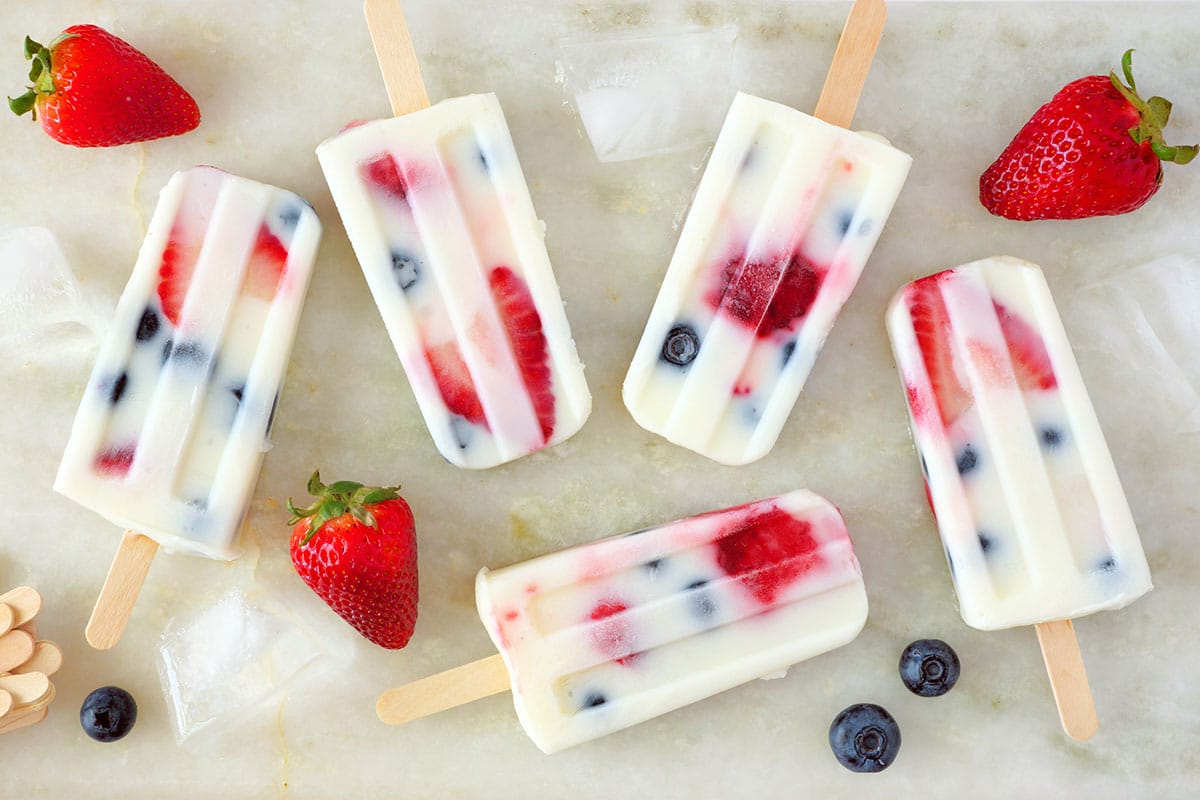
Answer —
(1153, 115)
(40, 74)
(339, 498)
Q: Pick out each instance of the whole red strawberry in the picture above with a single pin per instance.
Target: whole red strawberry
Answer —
(356, 548)
(1095, 149)
(91, 89)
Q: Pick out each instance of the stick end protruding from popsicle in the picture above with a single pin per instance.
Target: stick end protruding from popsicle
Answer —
(1068, 679)
(120, 591)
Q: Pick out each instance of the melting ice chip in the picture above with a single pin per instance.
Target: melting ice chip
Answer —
(40, 301)
(221, 664)
(652, 92)
(1145, 320)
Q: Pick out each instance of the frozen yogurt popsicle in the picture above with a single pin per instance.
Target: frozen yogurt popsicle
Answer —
(604, 635)
(173, 424)
(782, 223)
(1031, 512)
(437, 209)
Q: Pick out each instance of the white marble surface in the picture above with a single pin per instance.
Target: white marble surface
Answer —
(951, 84)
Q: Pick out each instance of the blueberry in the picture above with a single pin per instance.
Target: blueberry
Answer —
(701, 602)
(1050, 436)
(405, 269)
(239, 392)
(460, 429)
(1107, 565)
(681, 346)
(290, 216)
(864, 738)
(845, 218)
(147, 326)
(188, 352)
(788, 350)
(967, 460)
(749, 158)
(950, 563)
(929, 667)
(593, 699)
(108, 714)
(864, 228)
(652, 564)
(986, 543)
(483, 159)
(116, 387)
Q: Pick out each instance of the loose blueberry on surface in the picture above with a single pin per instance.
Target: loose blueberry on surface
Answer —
(1050, 436)
(967, 460)
(405, 270)
(108, 714)
(864, 738)
(147, 325)
(681, 345)
(929, 667)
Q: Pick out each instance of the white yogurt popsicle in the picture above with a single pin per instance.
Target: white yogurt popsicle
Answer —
(437, 209)
(173, 424)
(608, 634)
(783, 221)
(1030, 509)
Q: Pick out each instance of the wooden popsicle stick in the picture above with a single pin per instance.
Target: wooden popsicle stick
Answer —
(46, 659)
(851, 62)
(1068, 679)
(16, 647)
(397, 59)
(25, 603)
(26, 689)
(449, 689)
(120, 591)
(8, 618)
(17, 721)
(6, 703)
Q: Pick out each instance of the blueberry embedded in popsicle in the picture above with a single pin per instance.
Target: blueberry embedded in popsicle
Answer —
(238, 392)
(186, 352)
(1050, 436)
(483, 159)
(967, 460)
(789, 349)
(986, 542)
(271, 416)
(1107, 565)
(845, 219)
(405, 269)
(462, 431)
(681, 346)
(700, 602)
(147, 326)
(114, 388)
(289, 216)
(593, 699)
(654, 564)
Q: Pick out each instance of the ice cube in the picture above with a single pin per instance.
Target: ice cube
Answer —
(650, 92)
(223, 663)
(1140, 329)
(40, 301)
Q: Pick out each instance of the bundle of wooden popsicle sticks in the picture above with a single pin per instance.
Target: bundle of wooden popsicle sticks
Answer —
(26, 664)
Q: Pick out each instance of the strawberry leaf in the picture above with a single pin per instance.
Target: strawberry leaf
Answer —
(380, 495)
(1127, 68)
(23, 104)
(343, 487)
(32, 48)
(364, 516)
(1160, 108)
(315, 487)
